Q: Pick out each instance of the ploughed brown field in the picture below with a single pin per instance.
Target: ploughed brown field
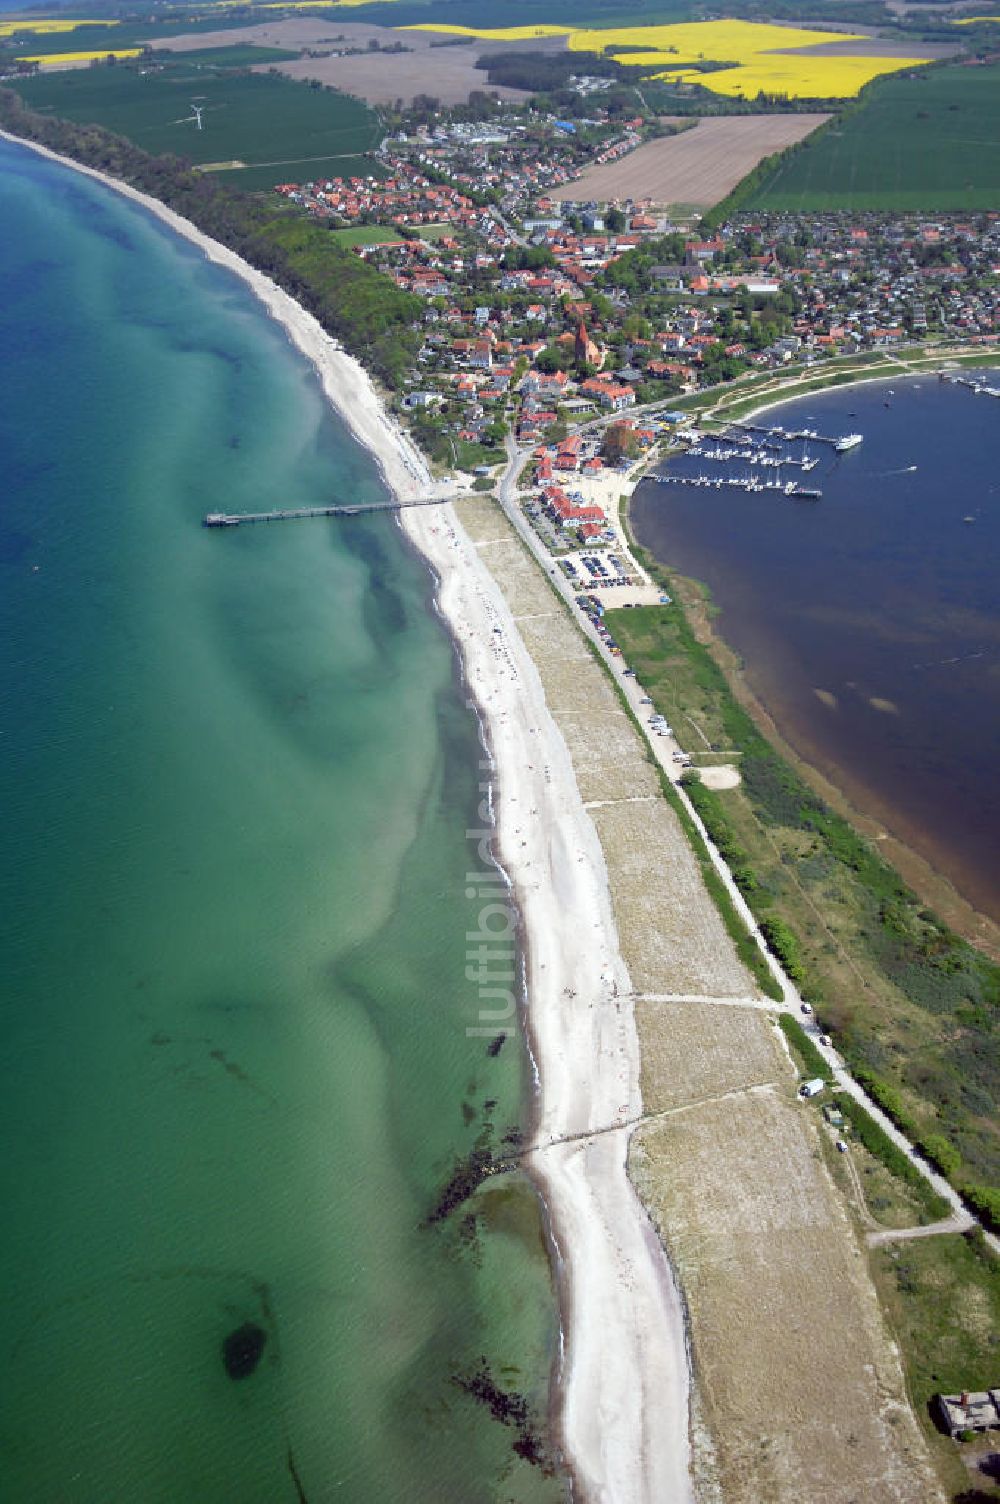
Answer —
(698, 167)
(448, 74)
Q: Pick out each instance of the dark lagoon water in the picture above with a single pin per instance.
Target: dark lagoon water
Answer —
(237, 773)
(869, 621)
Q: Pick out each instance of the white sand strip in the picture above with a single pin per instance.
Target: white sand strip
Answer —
(623, 1379)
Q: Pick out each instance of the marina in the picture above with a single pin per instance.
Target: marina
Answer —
(805, 462)
(748, 448)
(882, 596)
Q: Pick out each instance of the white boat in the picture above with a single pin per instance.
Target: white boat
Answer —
(849, 441)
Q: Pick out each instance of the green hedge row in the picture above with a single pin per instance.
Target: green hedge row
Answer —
(812, 1061)
(781, 942)
(939, 1151)
(984, 1200)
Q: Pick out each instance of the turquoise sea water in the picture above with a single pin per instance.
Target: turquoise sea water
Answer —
(237, 771)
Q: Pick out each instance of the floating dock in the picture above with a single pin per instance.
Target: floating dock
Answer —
(753, 457)
(293, 514)
(981, 388)
(788, 435)
(737, 483)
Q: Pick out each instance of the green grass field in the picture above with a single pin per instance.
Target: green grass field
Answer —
(928, 142)
(942, 1296)
(364, 235)
(283, 131)
(300, 170)
(214, 58)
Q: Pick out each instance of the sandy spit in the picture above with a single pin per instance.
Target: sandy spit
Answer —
(623, 1377)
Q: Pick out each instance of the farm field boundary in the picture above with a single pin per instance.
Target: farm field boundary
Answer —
(697, 167)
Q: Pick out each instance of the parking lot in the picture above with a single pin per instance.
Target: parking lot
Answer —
(610, 574)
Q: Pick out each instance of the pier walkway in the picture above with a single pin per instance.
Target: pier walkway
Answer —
(234, 519)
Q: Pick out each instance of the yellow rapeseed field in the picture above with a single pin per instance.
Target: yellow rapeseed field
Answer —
(731, 41)
(57, 59)
(801, 77)
(8, 28)
(751, 46)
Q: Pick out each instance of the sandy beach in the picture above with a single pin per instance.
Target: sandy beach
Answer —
(623, 1377)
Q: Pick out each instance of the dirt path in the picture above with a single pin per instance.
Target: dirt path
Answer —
(959, 1222)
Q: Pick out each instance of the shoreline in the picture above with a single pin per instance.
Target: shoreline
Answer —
(934, 885)
(622, 1374)
(861, 378)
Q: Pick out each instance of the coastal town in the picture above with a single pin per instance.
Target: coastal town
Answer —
(543, 314)
(569, 329)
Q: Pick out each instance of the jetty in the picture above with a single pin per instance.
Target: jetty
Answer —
(753, 457)
(981, 388)
(778, 434)
(740, 483)
(294, 514)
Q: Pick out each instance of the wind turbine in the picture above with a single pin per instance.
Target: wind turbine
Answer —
(197, 110)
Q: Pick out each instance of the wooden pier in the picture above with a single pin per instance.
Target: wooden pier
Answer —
(235, 519)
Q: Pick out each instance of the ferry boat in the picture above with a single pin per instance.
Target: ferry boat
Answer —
(849, 441)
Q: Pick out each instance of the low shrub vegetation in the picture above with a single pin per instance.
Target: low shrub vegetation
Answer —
(878, 1142)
